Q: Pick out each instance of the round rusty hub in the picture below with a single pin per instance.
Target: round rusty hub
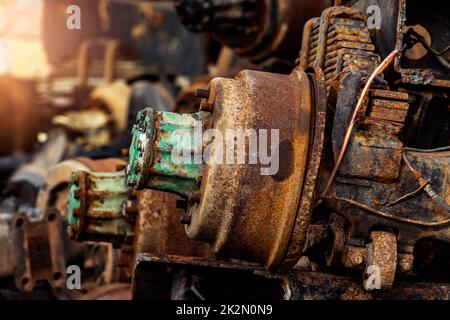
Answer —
(243, 213)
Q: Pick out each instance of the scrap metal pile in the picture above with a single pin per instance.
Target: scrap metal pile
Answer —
(286, 149)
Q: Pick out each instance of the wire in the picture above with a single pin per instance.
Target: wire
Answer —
(414, 37)
(406, 196)
(387, 215)
(386, 62)
(447, 148)
(426, 183)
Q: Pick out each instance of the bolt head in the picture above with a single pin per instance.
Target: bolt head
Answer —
(405, 266)
(357, 259)
(202, 93)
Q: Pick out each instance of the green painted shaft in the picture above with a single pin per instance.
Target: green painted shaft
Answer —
(166, 151)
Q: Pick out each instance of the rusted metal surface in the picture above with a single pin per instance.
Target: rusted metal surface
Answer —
(234, 197)
(427, 71)
(217, 214)
(355, 113)
(187, 101)
(161, 244)
(199, 261)
(381, 258)
(158, 139)
(323, 286)
(430, 19)
(305, 209)
(371, 156)
(158, 230)
(374, 162)
(354, 257)
(368, 204)
(336, 226)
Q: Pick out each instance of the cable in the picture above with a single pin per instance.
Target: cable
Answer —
(406, 196)
(387, 215)
(426, 183)
(414, 37)
(386, 62)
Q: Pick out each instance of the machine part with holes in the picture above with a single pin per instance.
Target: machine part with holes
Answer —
(33, 249)
(256, 30)
(100, 208)
(97, 261)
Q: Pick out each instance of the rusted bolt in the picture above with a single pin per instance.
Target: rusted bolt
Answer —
(405, 266)
(356, 259)
(405, 262)
(202, 93)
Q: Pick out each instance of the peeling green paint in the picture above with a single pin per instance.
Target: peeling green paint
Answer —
(158, 137)
(95, 207)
